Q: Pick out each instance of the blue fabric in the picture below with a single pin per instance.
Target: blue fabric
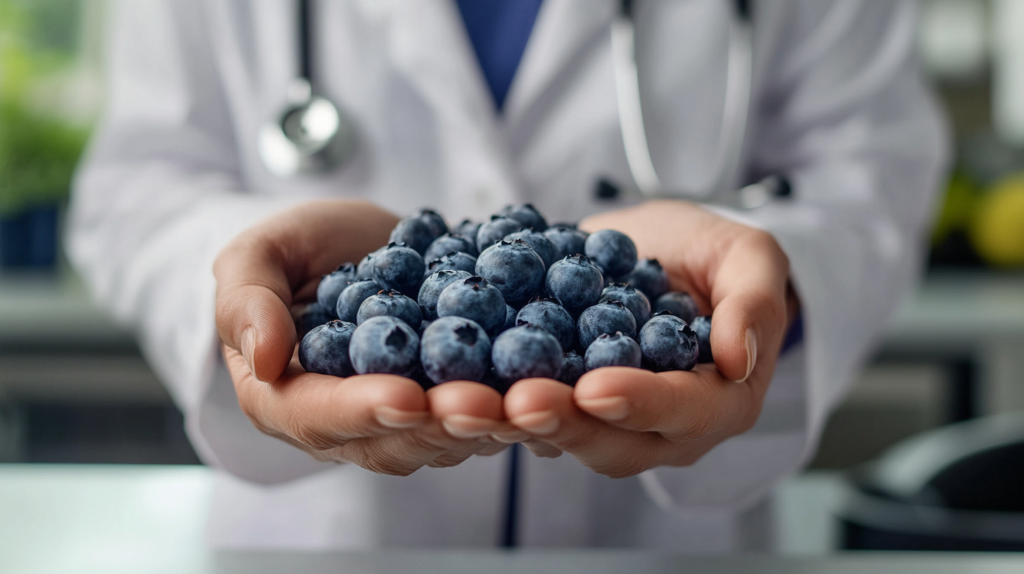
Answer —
(499, 30)
(795, 335)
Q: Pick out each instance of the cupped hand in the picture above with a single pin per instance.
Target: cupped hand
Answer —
(383, 423)
(622, 421)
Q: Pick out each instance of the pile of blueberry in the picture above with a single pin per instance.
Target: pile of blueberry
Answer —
(497, 302)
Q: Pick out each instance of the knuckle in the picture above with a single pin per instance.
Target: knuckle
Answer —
(314, 439)
(381, 461)
(631, 464)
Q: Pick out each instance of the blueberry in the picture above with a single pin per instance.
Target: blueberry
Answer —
(572, 368)
(468, 229)
(432, 287)
(414, 233)
(385, 345)
(567, 240)
(453, 260)
(679, 304)
(634, 300)
(324, 350)
(615, 350)
(492, 231)
(702, 327)
(514, 268)
(448, 243)
(365, 269)
(312, 316)
(526, 352)
(649, 277)
(613, 252)
(575, 282)
(668, 344)
(434, 221)
(550, 316)
(353, 296)
(542, 245)
(527, 215)
(390, 304)
(400, 268)
(607, 317)
(473, 298)
(423, 327)
(332, 284)
(455, 349)
(510, 317)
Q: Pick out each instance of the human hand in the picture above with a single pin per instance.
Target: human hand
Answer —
(383, 423)
(621, 421)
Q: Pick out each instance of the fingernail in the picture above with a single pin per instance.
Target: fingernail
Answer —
(539, 423)
(249, 348)
(393, 418)
(608, 408)
(465, 426)
(750, 343)
(509, 437)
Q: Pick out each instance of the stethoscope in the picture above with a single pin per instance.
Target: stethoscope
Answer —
(312, 135)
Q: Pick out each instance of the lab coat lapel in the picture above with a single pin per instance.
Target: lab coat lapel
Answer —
(429, 45)
(563, 30)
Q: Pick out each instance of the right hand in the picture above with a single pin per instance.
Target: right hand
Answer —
(383, 423)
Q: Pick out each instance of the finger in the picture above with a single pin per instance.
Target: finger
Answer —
(681, 406)
(324, 412)
(542, 449)
(545, 409)
(483, 447)
(748, 293)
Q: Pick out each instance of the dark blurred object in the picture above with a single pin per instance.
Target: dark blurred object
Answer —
(29, 239)
(958, 488)
(103, 434)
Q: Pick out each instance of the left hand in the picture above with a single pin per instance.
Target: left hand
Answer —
(621, 421)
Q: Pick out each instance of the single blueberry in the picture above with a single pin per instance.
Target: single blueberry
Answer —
(365, 269)
(526, 352)
(353, 296)
(432, 286)
(492, 231)
(615, 350)
(514, 268)
(413, 232)
(390, 303)
(455, 349)
(510, 317)
(452, 260)
(473, 298)
(567, 240)
(550, 316)
(574, 281)
(541, 244)
(634, 300)
(572, 368)
(385, 345)
(423, 327)
(612, 251)
(332, 284)
(527, 215)
(324, 350)
(468, 229)
(434, 221)
(702, 327)
(313, 315)
(649, 277)
(448, 243)
(678, 303)
(607, 317)
(668, 344)
(399, 267)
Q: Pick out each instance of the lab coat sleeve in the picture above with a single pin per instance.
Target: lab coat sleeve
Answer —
(157, 197)
(844, 112)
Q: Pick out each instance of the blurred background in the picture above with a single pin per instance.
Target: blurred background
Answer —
(74, 389)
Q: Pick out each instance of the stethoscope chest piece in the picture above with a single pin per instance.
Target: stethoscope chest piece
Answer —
(310, 136)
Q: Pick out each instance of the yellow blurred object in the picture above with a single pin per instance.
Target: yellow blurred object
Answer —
(957, 206)
(997, 225)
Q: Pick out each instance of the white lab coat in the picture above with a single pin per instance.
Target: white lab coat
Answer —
(838, 105)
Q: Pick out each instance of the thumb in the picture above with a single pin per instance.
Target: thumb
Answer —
(253, 298)
(749, 299)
